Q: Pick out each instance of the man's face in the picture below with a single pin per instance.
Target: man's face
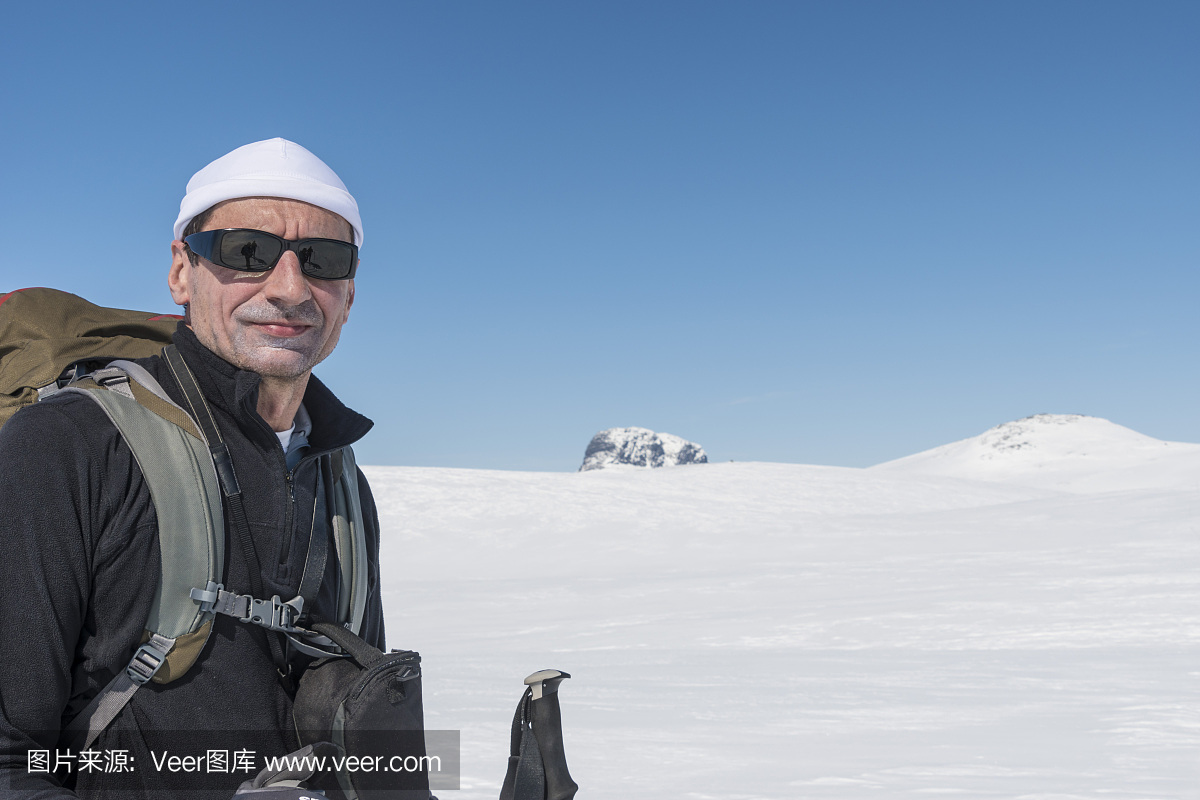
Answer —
(278, 323)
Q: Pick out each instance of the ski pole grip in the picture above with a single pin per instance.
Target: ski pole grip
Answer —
(546, 719)
(545, 682)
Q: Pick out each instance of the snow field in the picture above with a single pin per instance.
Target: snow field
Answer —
(770, 630)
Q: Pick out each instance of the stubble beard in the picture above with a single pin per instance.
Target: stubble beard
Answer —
(281, 358)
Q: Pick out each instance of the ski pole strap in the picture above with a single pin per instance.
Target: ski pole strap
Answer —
(537, 765)
(526, 778)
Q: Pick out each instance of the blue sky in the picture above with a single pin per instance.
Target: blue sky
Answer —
(833, 233)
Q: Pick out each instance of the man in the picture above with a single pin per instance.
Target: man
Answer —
(79, 529)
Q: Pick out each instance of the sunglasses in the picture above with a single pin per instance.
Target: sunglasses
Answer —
(248, 250)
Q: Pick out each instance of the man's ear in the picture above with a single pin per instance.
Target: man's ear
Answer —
(179, 279)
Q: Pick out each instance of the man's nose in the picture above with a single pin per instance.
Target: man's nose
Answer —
(286, 283)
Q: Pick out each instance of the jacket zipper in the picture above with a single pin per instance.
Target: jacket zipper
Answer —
(289, 510)
(288, 513)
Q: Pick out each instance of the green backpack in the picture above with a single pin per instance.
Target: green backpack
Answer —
(45, 331)
(53, 341)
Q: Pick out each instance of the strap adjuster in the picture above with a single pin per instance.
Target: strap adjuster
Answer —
(110, 377)
(274, 614)
(146, 662)
(207, 597)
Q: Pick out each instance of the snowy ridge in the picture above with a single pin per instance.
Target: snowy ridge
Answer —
(1061, 451)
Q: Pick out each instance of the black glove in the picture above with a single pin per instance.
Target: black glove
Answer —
(280, 793)
(285, 784)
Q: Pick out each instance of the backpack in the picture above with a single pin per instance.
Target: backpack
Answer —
(44, 332)
(53, 341)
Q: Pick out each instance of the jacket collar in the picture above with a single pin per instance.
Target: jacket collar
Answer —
(234, 391)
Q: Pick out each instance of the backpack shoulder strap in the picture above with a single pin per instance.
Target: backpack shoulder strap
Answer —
(349, 544)
(175, 462)
(350, 539)
(178, 470)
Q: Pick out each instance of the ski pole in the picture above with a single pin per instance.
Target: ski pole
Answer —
(546, 716)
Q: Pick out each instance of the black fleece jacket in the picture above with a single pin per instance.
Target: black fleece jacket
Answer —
(79, 563)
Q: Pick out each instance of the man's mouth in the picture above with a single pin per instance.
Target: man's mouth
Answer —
(282, 330)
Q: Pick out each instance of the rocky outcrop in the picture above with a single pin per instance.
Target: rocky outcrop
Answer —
(640, 447)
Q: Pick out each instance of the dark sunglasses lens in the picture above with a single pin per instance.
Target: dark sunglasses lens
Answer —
(326, 260)
(248, 250)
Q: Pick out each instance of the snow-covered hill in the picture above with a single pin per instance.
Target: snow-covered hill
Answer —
(774, 630)
(1061, 451)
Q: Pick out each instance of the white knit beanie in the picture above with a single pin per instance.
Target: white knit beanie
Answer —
(271, 168)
